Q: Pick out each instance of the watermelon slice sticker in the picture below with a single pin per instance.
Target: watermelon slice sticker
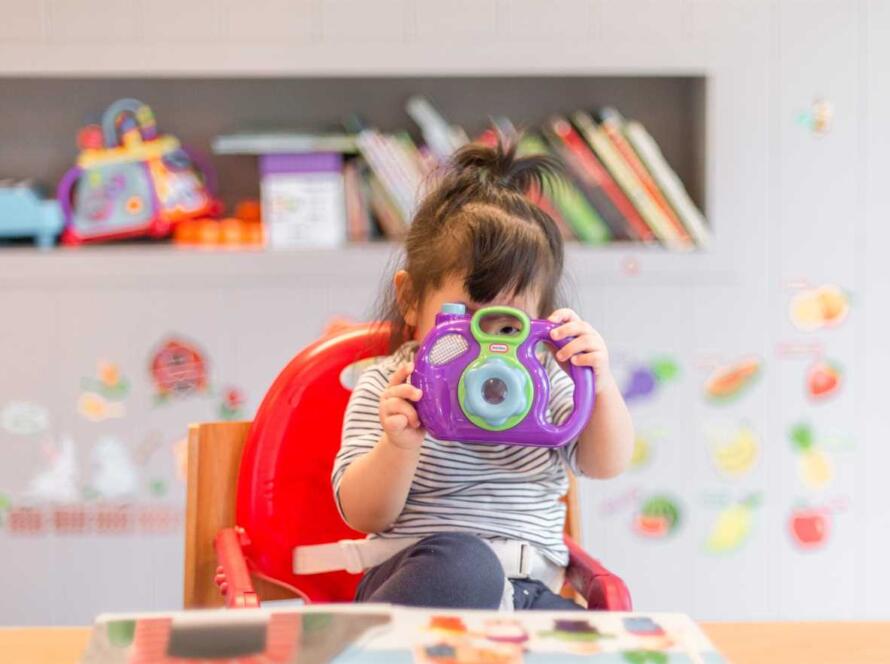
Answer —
(727, 383)
(659, 516)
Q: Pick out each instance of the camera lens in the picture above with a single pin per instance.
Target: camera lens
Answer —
(494, 390)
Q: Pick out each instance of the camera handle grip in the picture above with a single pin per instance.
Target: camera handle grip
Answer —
(582, 377)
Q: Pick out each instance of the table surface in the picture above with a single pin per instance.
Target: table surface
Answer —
(741, 643)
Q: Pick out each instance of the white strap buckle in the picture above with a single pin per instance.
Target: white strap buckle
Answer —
(525, 559)
(352, 556)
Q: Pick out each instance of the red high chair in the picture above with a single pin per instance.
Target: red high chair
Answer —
(256, 491)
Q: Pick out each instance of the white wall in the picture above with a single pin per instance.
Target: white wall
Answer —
(787, 206)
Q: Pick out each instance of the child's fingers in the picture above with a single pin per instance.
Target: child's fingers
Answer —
(403, 391)
(396, 406)
(563, 316)
(401, 373)
(571, 329)
(395, 423)
(591, 359)
(577, 345)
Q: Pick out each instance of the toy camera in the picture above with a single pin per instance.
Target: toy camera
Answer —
(130, 181)
(490, 387)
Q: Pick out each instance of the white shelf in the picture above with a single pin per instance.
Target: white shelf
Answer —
(120, 266)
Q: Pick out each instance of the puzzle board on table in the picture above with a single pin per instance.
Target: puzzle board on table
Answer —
(377, 634)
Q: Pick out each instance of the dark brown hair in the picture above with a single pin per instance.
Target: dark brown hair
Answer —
(479, 222)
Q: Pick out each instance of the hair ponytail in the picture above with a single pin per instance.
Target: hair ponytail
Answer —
(479, 222)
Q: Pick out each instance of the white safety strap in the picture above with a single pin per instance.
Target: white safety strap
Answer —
(520, 560)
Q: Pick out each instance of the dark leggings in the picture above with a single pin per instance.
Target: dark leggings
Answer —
(452, 570)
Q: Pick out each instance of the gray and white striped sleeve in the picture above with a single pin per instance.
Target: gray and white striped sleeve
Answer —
(361, 424)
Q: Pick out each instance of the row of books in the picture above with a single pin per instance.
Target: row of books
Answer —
(617, 185)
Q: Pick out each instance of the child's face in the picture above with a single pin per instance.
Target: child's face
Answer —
(423, 317)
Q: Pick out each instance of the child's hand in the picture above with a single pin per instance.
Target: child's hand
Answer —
(587, 349)
(397, 413)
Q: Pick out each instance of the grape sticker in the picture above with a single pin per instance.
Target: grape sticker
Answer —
(727, 383)
(814, 465)
(817, 308)
(643, 380)
(658, 517)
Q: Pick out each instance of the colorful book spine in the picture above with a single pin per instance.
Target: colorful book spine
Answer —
(442, 138)
(611, 124)
(392, 224)
(676, 194)
(381, 155)
(358, 217)
(574, 207)
(650, 210)
(598, 184)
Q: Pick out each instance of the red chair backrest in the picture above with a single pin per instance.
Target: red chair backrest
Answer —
(284, 488)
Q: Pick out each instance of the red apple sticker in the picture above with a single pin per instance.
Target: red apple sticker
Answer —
(809, 527)
(823, 380)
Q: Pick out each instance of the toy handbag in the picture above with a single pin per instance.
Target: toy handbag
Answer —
(480, 387)
(130, 181)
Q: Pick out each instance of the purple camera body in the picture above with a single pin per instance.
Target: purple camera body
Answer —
(480, 387)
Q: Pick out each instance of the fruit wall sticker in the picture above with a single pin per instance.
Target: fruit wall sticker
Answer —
(809, 527)
(733, 526)
(103, 394)
(178, 368)
(823, 380)
(734, 452)
(642, 452)
(643, 380)
(232, 405)
(646, 443)
(817, 118)
(728, 382)
(816, 308)
(23, 418)
(814, 465)
(658, 517)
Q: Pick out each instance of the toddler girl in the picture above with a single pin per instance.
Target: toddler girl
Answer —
(471, 525)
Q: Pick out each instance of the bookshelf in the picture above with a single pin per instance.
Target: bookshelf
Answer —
(41, 131)
(132, 266)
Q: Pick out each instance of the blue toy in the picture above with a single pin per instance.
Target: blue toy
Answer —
(25, 212)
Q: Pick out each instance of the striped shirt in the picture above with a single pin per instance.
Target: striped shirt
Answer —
(492, 491)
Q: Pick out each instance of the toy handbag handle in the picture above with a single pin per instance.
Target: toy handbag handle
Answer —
(142, 113)
(582, 377)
